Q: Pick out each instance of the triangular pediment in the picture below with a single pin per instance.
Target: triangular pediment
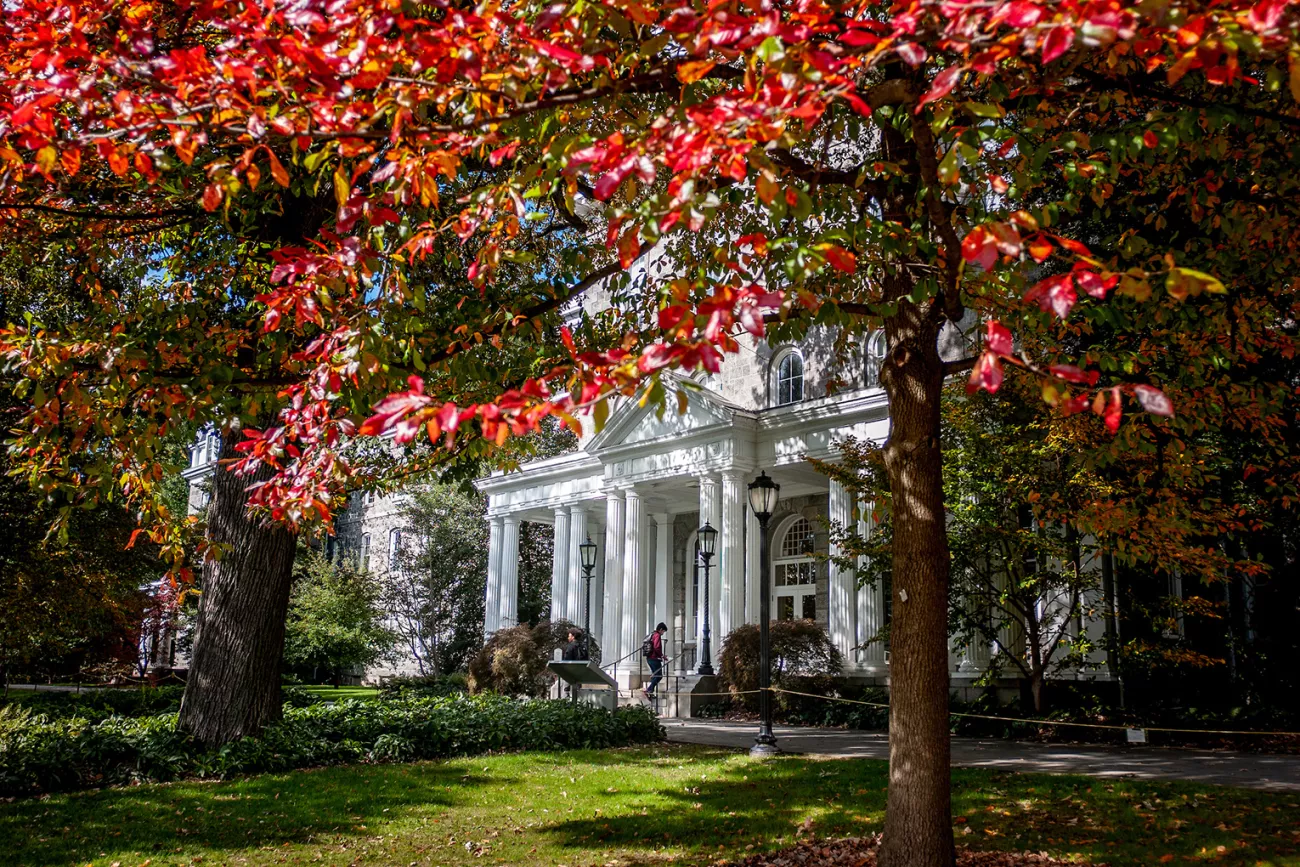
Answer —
(631, 423)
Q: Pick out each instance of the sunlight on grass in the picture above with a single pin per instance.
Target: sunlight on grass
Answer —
(338, 693)
(684, 805)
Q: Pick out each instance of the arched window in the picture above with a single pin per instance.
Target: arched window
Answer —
(794, 573)
(363, 560)
(876, 348)
(788, 384)
(394, 548)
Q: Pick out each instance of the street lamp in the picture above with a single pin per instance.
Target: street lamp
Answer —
(708, 539)
(763, 494)
(588, 551)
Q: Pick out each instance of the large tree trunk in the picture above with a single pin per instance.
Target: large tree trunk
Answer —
(234, 680)
(918, 824)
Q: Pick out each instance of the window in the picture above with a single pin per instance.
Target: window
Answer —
(394, 547)
(875, 351)
(363, 560)
(789, 378)
(794, 574)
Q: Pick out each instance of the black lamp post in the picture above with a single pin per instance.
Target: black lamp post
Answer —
(588, 551)
(708, 539)
(762, 499)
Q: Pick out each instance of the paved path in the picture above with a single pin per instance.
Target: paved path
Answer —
(1257, 771)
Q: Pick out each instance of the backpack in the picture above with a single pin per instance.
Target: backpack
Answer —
(648, 645)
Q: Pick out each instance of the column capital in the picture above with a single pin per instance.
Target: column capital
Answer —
(661, 517)
(509, 518)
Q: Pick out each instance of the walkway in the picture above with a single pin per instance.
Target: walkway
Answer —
(1276, 773)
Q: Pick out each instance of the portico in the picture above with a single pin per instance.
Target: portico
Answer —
(643, 485)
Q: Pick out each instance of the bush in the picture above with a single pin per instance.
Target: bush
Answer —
(50, 755)
(513, 661)
(100, 704)
(409, 686)
(803, 659)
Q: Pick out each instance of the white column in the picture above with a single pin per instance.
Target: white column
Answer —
(871, 604)
(509, 572)
(731, 559)
(576, 608)
(492, 595)
(598, 583)
(709, 513)
(663, 569)
(612, 622)
(560, 565)
(753, 562)
(633, 576)
(841, 608)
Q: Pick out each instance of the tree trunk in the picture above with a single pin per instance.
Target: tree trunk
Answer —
(234, 680)
(918, 813)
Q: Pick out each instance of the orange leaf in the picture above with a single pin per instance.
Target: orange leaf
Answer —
(277, 169)
(71, 159)
(694, 70)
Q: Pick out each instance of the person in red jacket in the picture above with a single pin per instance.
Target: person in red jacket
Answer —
(653, 651)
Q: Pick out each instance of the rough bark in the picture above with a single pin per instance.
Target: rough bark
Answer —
(234, 680)
(918, 824)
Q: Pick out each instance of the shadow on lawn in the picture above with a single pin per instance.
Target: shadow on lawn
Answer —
(1094, 821)
(236, 814)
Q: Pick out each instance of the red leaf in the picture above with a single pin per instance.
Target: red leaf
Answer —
(987, 374)
(1266, 14)
(1154, 400)
(840, 259)
(212, 194)
(1055, 294)
(1093, 283)
(503, 153)
(997, 339)
(912, 54)
(1149, 139)
(1058, 41)
(943, 84)
(1070, 373)
(979, 246)
(1114, 411)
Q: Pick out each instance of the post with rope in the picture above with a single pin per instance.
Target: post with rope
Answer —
(763, 493)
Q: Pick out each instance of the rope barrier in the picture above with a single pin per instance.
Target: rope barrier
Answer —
(1045, 722)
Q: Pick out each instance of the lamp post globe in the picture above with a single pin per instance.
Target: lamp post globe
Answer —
(763, 495)
(708, 541)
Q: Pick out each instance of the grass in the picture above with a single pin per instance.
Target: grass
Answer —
(338, 693)
(686, 805)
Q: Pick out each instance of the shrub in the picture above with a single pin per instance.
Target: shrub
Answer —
(51, 755)
(513, 661)
(803, 659)
(409, 686)
(99, 704)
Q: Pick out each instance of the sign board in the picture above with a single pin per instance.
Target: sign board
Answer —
(582, 674)
(1136, 736)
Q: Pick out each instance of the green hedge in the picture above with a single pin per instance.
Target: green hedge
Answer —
(38, 754)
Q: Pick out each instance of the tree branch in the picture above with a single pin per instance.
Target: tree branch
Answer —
(99, 215)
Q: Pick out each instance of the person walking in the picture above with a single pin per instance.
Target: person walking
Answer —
(653, 651)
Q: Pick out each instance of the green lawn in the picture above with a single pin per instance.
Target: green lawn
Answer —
(687, 805)
(338, 693)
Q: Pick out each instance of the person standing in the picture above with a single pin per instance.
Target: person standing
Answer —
(653, 651)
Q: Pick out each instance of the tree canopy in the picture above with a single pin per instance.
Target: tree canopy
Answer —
(361, 216)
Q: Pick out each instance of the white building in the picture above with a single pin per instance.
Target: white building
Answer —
(642, 486)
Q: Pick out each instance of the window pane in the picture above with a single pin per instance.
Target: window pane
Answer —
(785, 608)
(810, 606)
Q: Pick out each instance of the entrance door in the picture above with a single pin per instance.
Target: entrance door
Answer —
(794, 574)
